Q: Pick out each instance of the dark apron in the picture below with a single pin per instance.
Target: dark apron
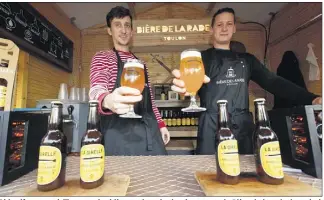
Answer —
(229, 76)
(133, 137)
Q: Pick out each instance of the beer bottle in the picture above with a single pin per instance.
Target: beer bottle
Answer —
(170, 118)
(183, 119)
(178, 118)
(188, 121)
(266, 148)
(52, 153)
(196, 119)
(166, 116)
(92, 155)
(227, 157)
(162, 115)
(174, 118)
(163, 94)
(192, 119)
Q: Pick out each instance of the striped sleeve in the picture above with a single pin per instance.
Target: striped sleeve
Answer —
(99, 79)
(155, 109)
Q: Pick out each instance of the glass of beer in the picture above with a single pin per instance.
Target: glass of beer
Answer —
(192, 73)
(133, 76)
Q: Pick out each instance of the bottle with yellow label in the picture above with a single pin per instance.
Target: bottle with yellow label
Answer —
(192, 119)
(52, 153)
(170, 118)
(162, 116)
(92, 155)
(163, 94)
(266, 148)
(174, 118)
(183, 119)
(227, 157)
(166, 117)
(178, 118)
(188, 121)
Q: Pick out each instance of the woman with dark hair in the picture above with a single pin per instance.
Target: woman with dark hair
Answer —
(289, 70)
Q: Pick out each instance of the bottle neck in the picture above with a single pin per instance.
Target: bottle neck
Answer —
(93, 119)
(261, 116)
(56, 119)
(223, 116)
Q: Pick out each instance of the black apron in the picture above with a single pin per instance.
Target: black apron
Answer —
(229, 74)
(133, 137)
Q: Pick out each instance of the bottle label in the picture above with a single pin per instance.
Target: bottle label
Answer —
(188, 121)
(178, 122)
(228, 157)
(183, 121)
(92, 162)
(174, 122)
(3, 90)
(192, 121)
(271, 159)
(49, 164)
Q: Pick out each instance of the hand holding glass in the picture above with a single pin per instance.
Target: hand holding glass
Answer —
(192, 74)
(133, 77)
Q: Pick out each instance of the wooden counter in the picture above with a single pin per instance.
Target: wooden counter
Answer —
(157, 175)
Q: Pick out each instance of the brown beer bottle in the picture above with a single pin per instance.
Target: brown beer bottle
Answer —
(227, 157)
(266, 148)
(166, 117)
(183, 119)
(178, 118)
(170, 118)
(52, 153)
(92, 155)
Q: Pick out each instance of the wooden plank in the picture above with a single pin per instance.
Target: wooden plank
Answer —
(114, 185)
(250, 186)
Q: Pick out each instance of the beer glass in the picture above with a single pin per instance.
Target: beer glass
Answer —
(192, 73)
(133, 76)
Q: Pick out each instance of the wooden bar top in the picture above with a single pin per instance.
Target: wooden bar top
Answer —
(157, 175)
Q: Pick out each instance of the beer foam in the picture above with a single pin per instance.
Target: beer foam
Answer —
(222, 101)
(186, 54)
(259, 99)
(134, 64)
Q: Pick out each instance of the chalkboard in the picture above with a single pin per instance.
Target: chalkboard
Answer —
(25, 26)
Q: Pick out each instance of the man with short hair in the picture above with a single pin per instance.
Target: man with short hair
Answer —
(124, 136)
(227, 77)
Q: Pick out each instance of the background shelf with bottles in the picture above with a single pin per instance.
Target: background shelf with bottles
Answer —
(182, 126)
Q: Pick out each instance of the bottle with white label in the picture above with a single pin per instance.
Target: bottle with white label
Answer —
(92, 155)
(266, 148)
(52, 153)
(227, 157)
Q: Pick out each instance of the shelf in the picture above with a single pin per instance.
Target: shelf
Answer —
(183, 131)
(181, 145)
(173, 103)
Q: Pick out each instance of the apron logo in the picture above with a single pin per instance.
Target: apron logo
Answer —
(229, 81)
(230, 73)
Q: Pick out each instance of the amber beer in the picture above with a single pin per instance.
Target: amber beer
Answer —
(227, 157)
(192, 70)
(92, 157)
(266, 148)
(133, 75)
(52, 153)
